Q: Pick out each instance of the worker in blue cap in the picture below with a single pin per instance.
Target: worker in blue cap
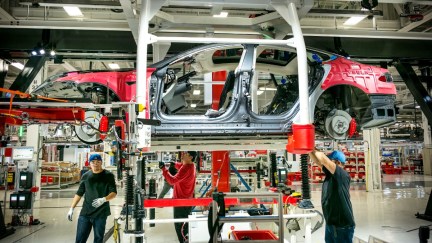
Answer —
(98, 187)
(335, 197)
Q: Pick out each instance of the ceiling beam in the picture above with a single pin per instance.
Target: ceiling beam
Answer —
(66, 25)
(372, 34)
(414, 25)
(76, 3)
(131, 17)
(5, 15)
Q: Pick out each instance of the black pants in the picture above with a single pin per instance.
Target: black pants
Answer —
(181, 212)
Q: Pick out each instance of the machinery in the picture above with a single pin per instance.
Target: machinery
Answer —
(21, 201)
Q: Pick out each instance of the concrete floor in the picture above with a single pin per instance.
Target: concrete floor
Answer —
(387, 215)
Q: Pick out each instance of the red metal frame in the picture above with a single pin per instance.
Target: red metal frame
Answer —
(229, 201)
(240, 171)
(41, 115)
(221, 171)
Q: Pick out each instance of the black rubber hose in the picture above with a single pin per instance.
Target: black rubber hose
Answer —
(129, 189)
(273, 169)
(305, 203)
(305, 176)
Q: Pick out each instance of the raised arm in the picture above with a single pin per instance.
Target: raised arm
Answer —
(322, 160)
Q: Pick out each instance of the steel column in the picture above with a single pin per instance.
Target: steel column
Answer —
(420, 94)
(3, 72)
(27, 75)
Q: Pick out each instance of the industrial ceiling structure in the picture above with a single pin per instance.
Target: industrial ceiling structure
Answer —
(105, 32)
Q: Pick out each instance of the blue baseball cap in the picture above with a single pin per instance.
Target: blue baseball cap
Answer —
(337, 155)
(95, 157)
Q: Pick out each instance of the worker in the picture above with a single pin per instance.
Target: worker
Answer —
(166, 187)
(335, 197)
(184, 188)
(98, 188)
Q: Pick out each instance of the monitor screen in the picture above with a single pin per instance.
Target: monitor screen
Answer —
(22, 153)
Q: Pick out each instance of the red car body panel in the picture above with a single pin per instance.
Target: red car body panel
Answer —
(121, 83)
(364, 77)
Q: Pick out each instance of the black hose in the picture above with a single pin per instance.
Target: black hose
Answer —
(305, 177)
(306, 196)
(273, 169)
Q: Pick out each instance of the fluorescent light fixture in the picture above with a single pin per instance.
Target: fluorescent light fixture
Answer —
(18, 65)
(193, 105)
(354, 20)
(114, 66)
(222, 14)
(73, 11)
(267, 88)
(260, 92)
(196, 92)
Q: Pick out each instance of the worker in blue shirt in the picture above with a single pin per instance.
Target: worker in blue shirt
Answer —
(335, 198)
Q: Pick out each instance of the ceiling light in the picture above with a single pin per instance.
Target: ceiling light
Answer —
(18, 65)
(114, 66)
(42, 51)
(193, 105)
(52, 53)
(260, 92)
(196, 92)
(267, 88)
(73, 11)
(221, 15)
(417, 106)
(354, 20)
(34, 53)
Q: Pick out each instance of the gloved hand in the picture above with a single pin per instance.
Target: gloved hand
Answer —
(161, 165)
(70, 214)
(98, 202)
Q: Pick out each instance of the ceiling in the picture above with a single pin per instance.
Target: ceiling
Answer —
(108, 29)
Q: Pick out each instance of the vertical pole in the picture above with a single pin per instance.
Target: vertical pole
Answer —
(289, 13)
(308, 230)
(281, 220)
(214, 213)
(221, 171)
(142, 93)
(372, 159)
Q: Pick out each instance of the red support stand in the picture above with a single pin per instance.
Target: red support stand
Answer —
(221, 171)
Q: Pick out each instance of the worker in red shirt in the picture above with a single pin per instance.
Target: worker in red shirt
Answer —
(184, 187)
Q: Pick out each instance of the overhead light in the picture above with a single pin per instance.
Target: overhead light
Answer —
(42, 51)
(417, 106)
(34, 53)
(18, 65)
(193, 105)
(222, 14)
(114, 66)
(52, 53)
(73, 11)
(260, 92)
(196, 92)
(354, 20)
(267, 88)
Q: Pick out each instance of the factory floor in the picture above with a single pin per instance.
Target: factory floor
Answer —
(387, 215)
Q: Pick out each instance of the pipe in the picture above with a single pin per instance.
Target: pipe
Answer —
(166, 221)
(289, 13)
(202, 40)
